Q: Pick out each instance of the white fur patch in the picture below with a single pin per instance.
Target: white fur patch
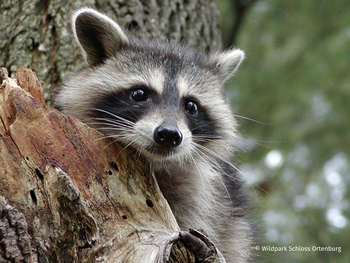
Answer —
(155, 79)
(182, 86)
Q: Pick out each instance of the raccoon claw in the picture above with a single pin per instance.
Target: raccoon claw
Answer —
(201, 247)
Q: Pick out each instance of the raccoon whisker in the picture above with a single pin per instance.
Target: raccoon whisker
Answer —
(114, 137)
(219, 157)
(113, 141)
(110, 123)
(96, 124)
(212, 153)
(204, 185)
(217, 166)
(117, 123)
(199, 170)
(213, 122)
(134, 114)
(105, 126)
(105, 137)
(116, 141)
(207, 186)
(205, 157)
(249, 119)
(204, 140)
(139, 153)
(113, 122)
(123, 149)
(201, 156)
(117, 131)
(129, 113)
(211, 162)
(120, 129)
(115, 116)
(207, 138)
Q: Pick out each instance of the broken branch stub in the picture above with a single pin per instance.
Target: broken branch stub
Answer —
(69, 195)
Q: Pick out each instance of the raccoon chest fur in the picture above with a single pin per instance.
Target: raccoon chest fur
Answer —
(207, 196)
(167, 102)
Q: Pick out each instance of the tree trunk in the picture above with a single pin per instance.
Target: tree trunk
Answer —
(105, 207)
(37, 34)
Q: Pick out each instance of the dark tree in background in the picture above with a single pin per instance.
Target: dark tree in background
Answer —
(238, 9)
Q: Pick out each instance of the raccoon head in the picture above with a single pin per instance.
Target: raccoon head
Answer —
(166, 101)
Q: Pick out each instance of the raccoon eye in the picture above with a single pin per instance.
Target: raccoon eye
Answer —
(191, 107)
(139, 94)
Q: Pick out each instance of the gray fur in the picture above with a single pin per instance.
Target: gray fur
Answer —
(203, 189)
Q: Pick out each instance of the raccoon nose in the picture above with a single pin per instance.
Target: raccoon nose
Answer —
(168, 136)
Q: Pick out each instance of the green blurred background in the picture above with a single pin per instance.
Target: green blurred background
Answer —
(295, 87)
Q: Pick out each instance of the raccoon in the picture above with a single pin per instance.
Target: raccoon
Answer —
(167, 102)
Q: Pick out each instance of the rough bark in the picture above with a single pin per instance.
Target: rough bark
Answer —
(37, 33)
(69, 195)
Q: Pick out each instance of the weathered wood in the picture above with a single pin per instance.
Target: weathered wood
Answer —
(69, 195)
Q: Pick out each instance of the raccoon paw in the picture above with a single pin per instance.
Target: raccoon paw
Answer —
(199, 245)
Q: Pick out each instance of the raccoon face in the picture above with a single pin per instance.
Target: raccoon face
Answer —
(165, 101)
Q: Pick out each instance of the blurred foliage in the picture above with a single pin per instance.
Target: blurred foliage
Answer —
(295, 86)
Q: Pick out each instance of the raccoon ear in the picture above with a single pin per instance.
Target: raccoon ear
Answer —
(227, 62)
(98, 36)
